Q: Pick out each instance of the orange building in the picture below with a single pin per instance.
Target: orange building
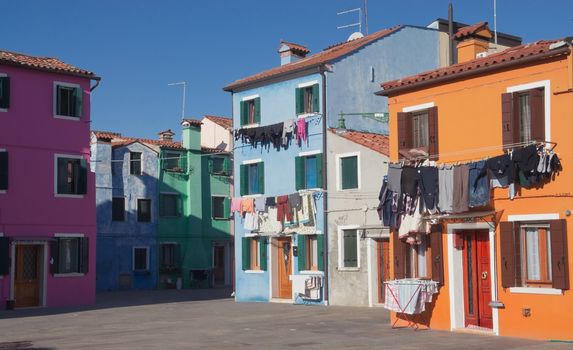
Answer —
(504, 267)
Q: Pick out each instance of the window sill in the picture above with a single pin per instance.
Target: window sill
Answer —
(307, 115)
(311, 272)
(66, 117)
(535, 290)
(71, 274)
(349, 269)
(2, 191)
(253, 195)
(3, 110)
(221, 219)
(349, 189)
(248, 126)
(58, 195)
(254, 271)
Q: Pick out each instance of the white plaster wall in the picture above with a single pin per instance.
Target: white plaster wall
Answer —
(215, 136)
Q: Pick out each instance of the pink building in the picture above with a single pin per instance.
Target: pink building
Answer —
(47, 193)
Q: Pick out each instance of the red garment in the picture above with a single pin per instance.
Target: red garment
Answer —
(301, 130)
(283, 209)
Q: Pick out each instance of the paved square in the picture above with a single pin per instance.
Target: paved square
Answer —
(194, 320)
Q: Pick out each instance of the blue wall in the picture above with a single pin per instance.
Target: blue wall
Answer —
(408, 51)
(277, 105)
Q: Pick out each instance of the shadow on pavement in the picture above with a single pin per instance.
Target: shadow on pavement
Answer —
(106, 300)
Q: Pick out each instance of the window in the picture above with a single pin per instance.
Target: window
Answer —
(5, 261)
(135, 163)
(71, 175)
(251, 111)
(534, 254)
(220, 165)
(175, 162)
(254, 253)
(310, 249)
(170, 205)
(418, 130)
(144, 210)
(4, 92)
(418, 259)
(220, 207)
(308, 171)
(252, 178)
(3, 170)
(307, 99)
(68, 100)
(523, 116)
(140, 258)
(348, 172)
(169, 259)
(118, 209)
(349, 249)
(69, 255)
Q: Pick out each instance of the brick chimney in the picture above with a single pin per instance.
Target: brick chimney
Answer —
(472, 40)
(166, 135)
(291, 52)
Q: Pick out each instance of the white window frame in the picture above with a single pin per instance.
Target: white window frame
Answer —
(69, 235)
(137, 210)
(4, 109)
(416, 108)
(305, 85)
(60, 195)
(245, 99)
(339, 171)
(546, 85)
(5, 150)
(341, 230)
(55, 103)
(146, 258)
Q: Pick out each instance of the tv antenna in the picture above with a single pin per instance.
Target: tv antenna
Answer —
(184, 83)
(357, 24)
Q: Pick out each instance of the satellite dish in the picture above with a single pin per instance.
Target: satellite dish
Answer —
(355, 35)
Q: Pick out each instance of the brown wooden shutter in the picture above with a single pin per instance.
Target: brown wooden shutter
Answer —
(433, 131)
(400, 257)
(559, 261)
(507, 252)
(437, 257)
(404, 131)
(537, 105)
(507, 125)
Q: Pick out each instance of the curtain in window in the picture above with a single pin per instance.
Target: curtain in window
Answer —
(420, 130)
(532, 251)
(422, 268)
(253, 179)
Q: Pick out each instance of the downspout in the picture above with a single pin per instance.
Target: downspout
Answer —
(96, 85)
(451, 33)
(323, 69)
(232, 257)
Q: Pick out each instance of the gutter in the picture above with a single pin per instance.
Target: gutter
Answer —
(472, 72)
(96, 84)
(322, 70)
(318, 68)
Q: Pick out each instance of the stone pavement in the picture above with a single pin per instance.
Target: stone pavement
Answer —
(206, 319)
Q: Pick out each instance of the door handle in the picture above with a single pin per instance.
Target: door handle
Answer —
(484, 275)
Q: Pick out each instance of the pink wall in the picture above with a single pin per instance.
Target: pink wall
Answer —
(29, 208)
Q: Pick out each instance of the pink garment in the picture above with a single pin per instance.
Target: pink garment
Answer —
(301, 130)
(235, 205)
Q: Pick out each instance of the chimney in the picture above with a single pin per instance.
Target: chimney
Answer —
(291, 52)
(191, 134)
(472, 40)
(166, 135)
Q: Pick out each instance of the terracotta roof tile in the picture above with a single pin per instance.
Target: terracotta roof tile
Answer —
(193, 122)
(470, 30)
(225, 122)
(212, 150)
(105, 135)
(375, 142)
(325, 56)
(512, 54)
(43, 63)
(302, 50)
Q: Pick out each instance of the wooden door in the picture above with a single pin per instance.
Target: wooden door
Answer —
(383, 253)
(477, 279)
(219, 265)
(284, 266)
(27, 275)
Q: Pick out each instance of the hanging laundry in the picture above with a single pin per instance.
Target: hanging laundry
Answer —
(412, 221)
(271, 202)
(268, 222)
(283, 209)
(301, 132)
(409, 181)
(446, 189)
(461, 191)
(294, 200)
(247, 205)
(479, 192)
(428, 183)
(288, 132)
(394, 177)
(260, 204)
(251, 222)
(500, 170)
(235, 204)
(305, 217)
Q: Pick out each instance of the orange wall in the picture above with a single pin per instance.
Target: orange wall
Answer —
(469, 128)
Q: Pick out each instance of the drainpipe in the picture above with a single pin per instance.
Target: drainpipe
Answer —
(96, 84)
(323, 70)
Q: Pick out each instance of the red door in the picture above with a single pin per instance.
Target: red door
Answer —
(477, 279)
(284, 262)
(383, 248)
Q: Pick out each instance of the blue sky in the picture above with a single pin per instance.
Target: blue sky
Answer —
(139, 46)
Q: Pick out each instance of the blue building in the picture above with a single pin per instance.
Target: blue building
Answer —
(285, 259)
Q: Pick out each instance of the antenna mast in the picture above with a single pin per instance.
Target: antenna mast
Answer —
(366, 16)
(358, 24)
(184, 83)
(495, 22)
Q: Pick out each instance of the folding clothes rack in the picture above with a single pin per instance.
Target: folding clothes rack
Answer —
(413, 319)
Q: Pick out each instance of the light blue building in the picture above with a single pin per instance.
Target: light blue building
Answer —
(287, 261)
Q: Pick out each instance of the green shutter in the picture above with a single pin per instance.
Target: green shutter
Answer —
(244, 113)
(263, 253)
(3, 170)
(210, 165)
(261, 175)
(299, 173)
(349, 171)
(320, 250)
(55, 253)
(301, 243)
(299, 95)
(319, 170)
(257, 110)
(79, 100)
(227, 207)
(5, 89)
(350, 254)
(62, 175)
(315, 99)
(82, 177)
(227, 166)
(246, 250)
(84, 257)
(244, 190)
(4, 256)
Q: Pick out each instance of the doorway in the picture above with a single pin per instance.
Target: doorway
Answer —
(284, 267)
(477, 279)
(383, 259)
(218, 265)
(28, 274)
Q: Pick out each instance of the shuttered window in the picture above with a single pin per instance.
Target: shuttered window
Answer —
(252, 178)
(170, 205)
(118, 209)
(309, 252)
(220, 166)
(349, 172)
(418, 130)
(140, 258)
(69, 255)
(307, 99)
(250, 111)
(172, 161)
(308, 171)
(349, 248)
(71, 176)
(144, 210)
(68, 101)
(254, 253)
(3, 170)
(220, 207)
(4, 92)
(523, 116)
